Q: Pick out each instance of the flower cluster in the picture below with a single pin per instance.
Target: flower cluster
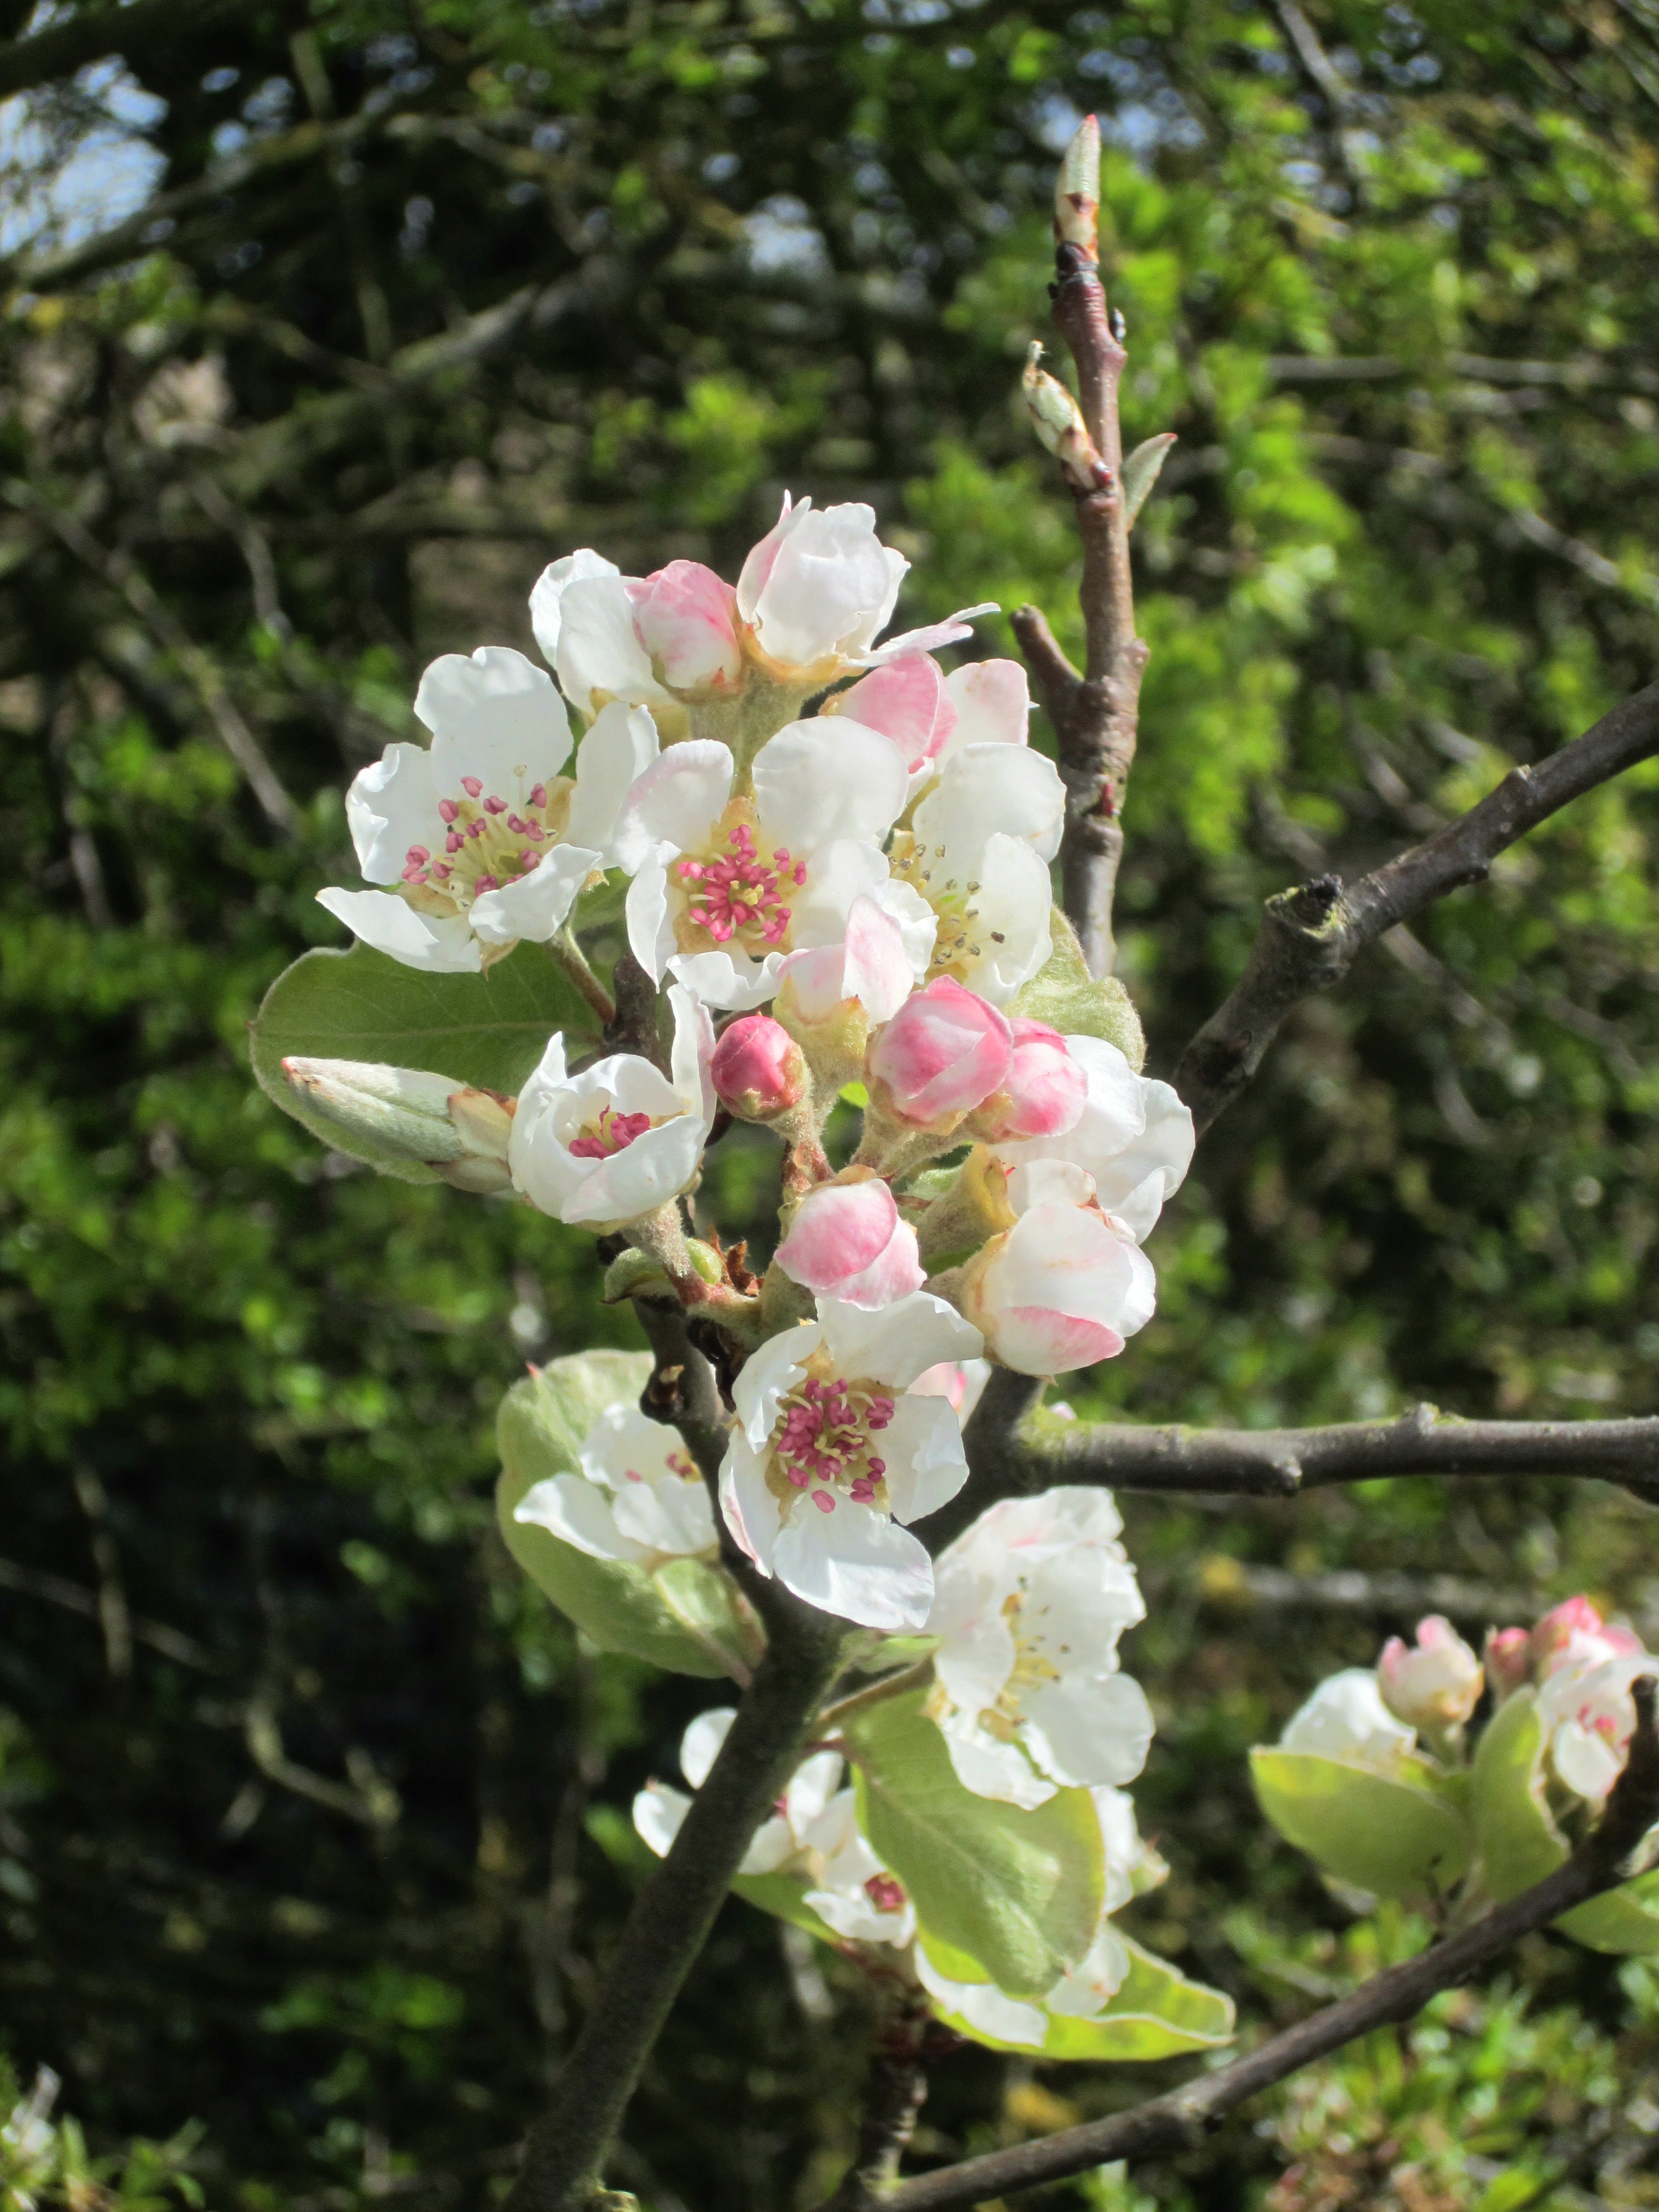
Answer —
(857, 894)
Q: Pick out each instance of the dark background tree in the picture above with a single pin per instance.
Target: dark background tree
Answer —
(312, 1817)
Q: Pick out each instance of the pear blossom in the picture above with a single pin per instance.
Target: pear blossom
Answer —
(820, 586)
(833, 1450)
(614, 1142)
(723, 887)
(758, 1071)
(945, 1051)
(1134, 1137)
(1346, 1720)
(976, 853)
(1028, 1605)
(486, 841)
(1066, 1286)
(1508, 1661)
(638, 1497)
(1435, 1684)
(846, 1240)
(1589, 1715)
(813, 1836)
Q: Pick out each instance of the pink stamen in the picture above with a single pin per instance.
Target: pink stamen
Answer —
(449, 810)
(823, 1501)
(886, 1892)
(493, 805)
(613, 1133)
(488, 884)
(538, 796)
(454, 843)
(471, 785)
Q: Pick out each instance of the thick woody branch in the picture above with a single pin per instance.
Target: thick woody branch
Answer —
(895, 2090)
(565, 2151)
(1282, 1462)
(1310, 936)
(1177, 2122)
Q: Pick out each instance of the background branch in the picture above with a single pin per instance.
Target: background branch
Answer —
(1180, 2120)
(1310, 936)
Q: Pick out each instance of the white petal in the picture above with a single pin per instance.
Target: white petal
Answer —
(917, 922)
(1090, 1728)
(618, 749)
(734, 982)
(391, 805)
(625, 1445)
(772, 1847)
(443, 945)
(1085, 1992)
(579, 1514)
(693, 1048)
(1013, 903)
(671, 1516)
(768, 1374)
(838, 875)
(992, 788)
(599, 656)
(992, 702)
(922, 1447)
(700, 1747)
(536, 905)
(856, 1564)
(991, 1768)
(676, 801)
(494, 715)
(827, 778)
(809, 1790)
(627, 1082)
(983, 2006)
(932, 637)
(650, 926)
(658, 1814)
(900, 1342)
(546, 598)
(1152, 1166)
(748, 1507)
(642, 1176)
(878, 971)
(976, 1651)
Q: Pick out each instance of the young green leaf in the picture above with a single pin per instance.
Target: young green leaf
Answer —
(1069, 999)
(1395, 1838)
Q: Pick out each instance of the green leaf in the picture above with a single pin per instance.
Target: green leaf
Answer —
(1520, 1842)
(688, 1616)
(1157, 2014)
(488, 1031)
(1076, 1004)
(1395, 1838)
(1140, 472)
(1021, 1892)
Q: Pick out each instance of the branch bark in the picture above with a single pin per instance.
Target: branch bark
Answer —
(1094, 714)
(1310, 936)
(1181, 2119)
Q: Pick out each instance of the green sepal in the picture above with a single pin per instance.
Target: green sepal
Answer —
(688, 1616)
(1520, 1842)
(1398, 1838)
(1021, 1892)
(1069, 999)
(486, 1031)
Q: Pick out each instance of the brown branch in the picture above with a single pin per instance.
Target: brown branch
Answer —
(1094, 714)
(895, 2090)
(1181, 2120)
(1282, 1462)
(73, 1597)
(1310, 936)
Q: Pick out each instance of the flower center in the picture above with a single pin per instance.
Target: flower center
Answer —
(959, 946)
(608, 1133)
(825, 1442)
(489, 842)
(886, 1891)
(734, 890)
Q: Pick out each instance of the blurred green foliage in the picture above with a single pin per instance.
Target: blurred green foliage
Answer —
(312, 1822)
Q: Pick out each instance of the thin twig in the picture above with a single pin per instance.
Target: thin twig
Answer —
(1181, 2120)
(1310, 936)
(568, 956)
(895, 2090)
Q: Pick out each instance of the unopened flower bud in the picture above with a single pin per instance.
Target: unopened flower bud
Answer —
(410, 1114)
(1076, 195)
(1057, 420)
(1435, 1684)
(759, 1072)
(1509, 1660)
(945, 1051)
(846, 1240)
(1043, 1094)
(1064, 1287)
(1574, 1634)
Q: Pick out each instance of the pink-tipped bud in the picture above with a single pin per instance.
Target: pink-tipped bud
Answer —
(1435, 1684)
(907, 701)
(1509, 1660)
(945, 1051)
(1044, 1093)
(847, 1241)
(1574, 1634)
(759, 1070)
(686, 619)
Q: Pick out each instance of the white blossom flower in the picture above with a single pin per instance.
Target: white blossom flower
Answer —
(929, 716)
(612, 1144)
(724, 888)
(1346, 1720)
(833, 1450)
(977, 855)
(638, 1497)
(1134, 1138)
(648, 641)
(1066, 1286)
(486, 841)
(1030, 1604)
(1588, 1716)
(813, 1836)
(1434, 1683)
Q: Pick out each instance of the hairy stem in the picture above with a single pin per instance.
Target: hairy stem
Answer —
(568, 956)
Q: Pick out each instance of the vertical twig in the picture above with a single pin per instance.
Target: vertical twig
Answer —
(1094, 714)
(112, 1615)
(895, 2090)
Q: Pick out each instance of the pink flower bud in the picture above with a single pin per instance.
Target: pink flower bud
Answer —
(848, 1241)
(1574, 1634)
(1045, 1091)
(943, 1052)
(907, 701)
(758, 1071)
(1436, 1684)
(686, 619)
(1061, 1289)
(1509, 1660)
